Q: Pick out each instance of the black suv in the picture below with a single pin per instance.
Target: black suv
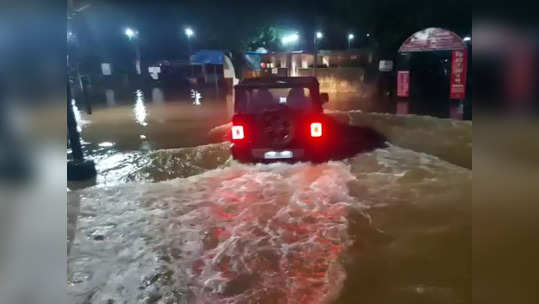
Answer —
(279, 118)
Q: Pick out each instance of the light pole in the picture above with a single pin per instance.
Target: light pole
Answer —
(317, 36)
(78, 168)
(288, 40)
(190, 33)
(132, 35)
(350, 38)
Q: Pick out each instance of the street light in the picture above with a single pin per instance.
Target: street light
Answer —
(189, 32)
(319, 35)
(290, 38)
(350, 38)
(130, 33)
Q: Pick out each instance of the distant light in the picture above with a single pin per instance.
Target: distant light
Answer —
(130, 33)
(70, 36)
(319, 35)
(189, 32)
(196, 97)
(368, 35)
(350, 36)
(290, 38)
(467, 38)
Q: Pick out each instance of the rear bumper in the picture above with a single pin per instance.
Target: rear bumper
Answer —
(277, 154)
(248, 154)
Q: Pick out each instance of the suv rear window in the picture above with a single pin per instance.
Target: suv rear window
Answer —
(256, 100)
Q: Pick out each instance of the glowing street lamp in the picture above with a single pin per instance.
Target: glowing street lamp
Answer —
(292, 38)
(189, 32)
(350, 38)
(319, 35)
(130, 33)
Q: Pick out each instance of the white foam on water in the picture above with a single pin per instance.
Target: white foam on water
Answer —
(244, 234)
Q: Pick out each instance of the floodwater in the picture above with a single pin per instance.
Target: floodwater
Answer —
(175, 220)
(120, 133)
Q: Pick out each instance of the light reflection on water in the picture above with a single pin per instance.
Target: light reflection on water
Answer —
(77, 115)
(278, 233)
(140, 109)
(109, 94)
(412, 249)
(157, 96)
(124, 124)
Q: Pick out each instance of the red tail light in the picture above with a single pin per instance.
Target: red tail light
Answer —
(316, 129)
(237, 132)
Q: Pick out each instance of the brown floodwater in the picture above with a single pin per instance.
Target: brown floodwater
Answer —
(172, 219)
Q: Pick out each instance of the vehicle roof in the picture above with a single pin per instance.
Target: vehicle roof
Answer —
(278, 82)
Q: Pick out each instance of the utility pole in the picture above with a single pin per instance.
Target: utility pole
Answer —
(350, 38)
(77, 168)
(190, 33)
(317, 36)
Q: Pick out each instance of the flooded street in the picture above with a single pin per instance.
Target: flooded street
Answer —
(119, 134)
(172, 219)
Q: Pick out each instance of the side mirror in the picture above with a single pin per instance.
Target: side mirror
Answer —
(324, 98)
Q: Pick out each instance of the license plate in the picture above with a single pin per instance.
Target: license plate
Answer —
(278, 154)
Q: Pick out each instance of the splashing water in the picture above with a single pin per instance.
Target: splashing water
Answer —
(244, 234)
(279, 233)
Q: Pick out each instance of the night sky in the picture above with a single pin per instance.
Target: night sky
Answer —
(231, 25)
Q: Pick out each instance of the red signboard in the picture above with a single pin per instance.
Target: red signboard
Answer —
(403, 83)
(432, 39)
(457, 87)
